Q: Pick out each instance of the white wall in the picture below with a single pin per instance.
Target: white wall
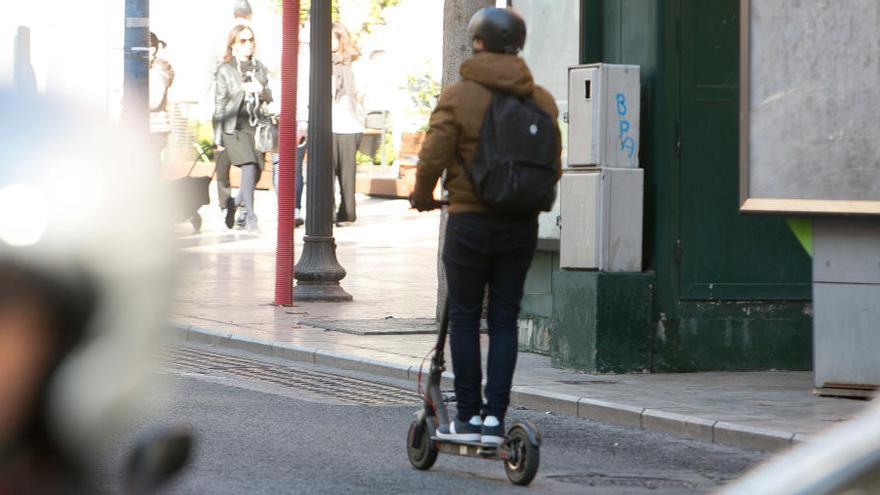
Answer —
(552, 45)
(76, 48)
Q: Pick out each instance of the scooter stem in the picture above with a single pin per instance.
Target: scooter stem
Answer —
(437, 366)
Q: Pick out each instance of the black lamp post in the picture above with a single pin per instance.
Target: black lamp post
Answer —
(318, 272)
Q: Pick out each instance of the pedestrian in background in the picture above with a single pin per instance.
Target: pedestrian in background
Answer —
(378, 93)
(241, 16)
(302, 123)
(348, 120)
(161, 77)
(242, 12)
(241, 89)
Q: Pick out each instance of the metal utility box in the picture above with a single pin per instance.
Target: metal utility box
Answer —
(603, 115)
(846, 289)
(601, 211)
(548, 221)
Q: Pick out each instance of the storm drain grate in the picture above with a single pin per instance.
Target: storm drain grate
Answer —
(350, 390)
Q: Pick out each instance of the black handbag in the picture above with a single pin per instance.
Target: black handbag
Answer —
(266, 136)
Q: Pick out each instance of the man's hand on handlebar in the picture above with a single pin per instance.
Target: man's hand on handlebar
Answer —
(425, 205)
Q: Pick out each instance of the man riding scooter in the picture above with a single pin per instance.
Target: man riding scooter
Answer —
(485, 246)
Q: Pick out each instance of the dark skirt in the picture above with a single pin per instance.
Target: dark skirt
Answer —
(241, 148)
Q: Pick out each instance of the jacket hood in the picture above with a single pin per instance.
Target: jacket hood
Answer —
(506, 73)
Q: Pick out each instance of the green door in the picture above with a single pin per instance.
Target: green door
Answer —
(721, 254)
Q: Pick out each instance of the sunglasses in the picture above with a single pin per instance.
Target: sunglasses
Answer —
(245, 41)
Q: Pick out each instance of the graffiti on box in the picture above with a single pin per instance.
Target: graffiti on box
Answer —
(627, 142)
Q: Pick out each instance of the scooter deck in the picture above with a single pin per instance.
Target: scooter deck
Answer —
(470, 444)
(471, 449)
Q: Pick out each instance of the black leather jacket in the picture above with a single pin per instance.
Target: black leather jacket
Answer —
(229, 95)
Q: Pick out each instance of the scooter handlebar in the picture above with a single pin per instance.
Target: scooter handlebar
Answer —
(432, 206)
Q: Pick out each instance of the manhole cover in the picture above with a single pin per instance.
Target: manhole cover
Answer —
(342, 388)
(598, 480)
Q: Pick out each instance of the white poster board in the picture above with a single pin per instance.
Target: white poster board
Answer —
(810, 100)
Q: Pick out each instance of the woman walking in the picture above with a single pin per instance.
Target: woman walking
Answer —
(241, 89)
(161, 76)
(348, 122)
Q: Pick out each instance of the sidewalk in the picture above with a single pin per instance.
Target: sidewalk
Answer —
(227, 286)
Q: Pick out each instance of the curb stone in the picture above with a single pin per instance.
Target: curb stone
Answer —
(751, 437)
(609, 412)
(693, 427)
(679, 424)
(544, 401)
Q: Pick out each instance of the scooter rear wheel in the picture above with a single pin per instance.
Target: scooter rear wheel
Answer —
(422, 451)
(525, 457)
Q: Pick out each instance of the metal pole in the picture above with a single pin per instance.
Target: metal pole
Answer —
(382, 139)
(22, 70)
(135, 96)
(284, 249)
(318, 272)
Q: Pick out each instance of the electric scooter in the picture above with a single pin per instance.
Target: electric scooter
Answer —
(520, 451)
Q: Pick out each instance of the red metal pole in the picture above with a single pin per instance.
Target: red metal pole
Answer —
(284, 251)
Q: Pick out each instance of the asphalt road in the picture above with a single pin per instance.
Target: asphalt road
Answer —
(262, 433)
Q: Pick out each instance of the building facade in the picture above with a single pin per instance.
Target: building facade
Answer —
(719, 290)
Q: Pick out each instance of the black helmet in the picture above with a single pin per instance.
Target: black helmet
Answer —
(501, 30)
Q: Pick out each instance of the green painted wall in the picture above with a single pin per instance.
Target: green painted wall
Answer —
(723, 255)
(735, 336)
(602, 321)
(724, 291)
(731, 291)
(536, 312)
(538, 290)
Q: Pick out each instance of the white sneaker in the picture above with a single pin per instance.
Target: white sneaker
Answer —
(492, 431)
(460, 431)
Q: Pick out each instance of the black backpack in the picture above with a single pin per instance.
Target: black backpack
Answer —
(514, 170)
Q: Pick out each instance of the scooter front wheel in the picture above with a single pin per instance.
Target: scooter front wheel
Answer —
(421, 450)
(522, 466)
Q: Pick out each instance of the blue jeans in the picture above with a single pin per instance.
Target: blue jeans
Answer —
(300, 155)
(483, 250)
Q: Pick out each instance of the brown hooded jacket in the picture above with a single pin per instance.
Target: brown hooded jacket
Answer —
(455, 125)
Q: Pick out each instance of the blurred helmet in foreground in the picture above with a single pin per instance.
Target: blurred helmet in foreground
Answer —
(84, 212)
